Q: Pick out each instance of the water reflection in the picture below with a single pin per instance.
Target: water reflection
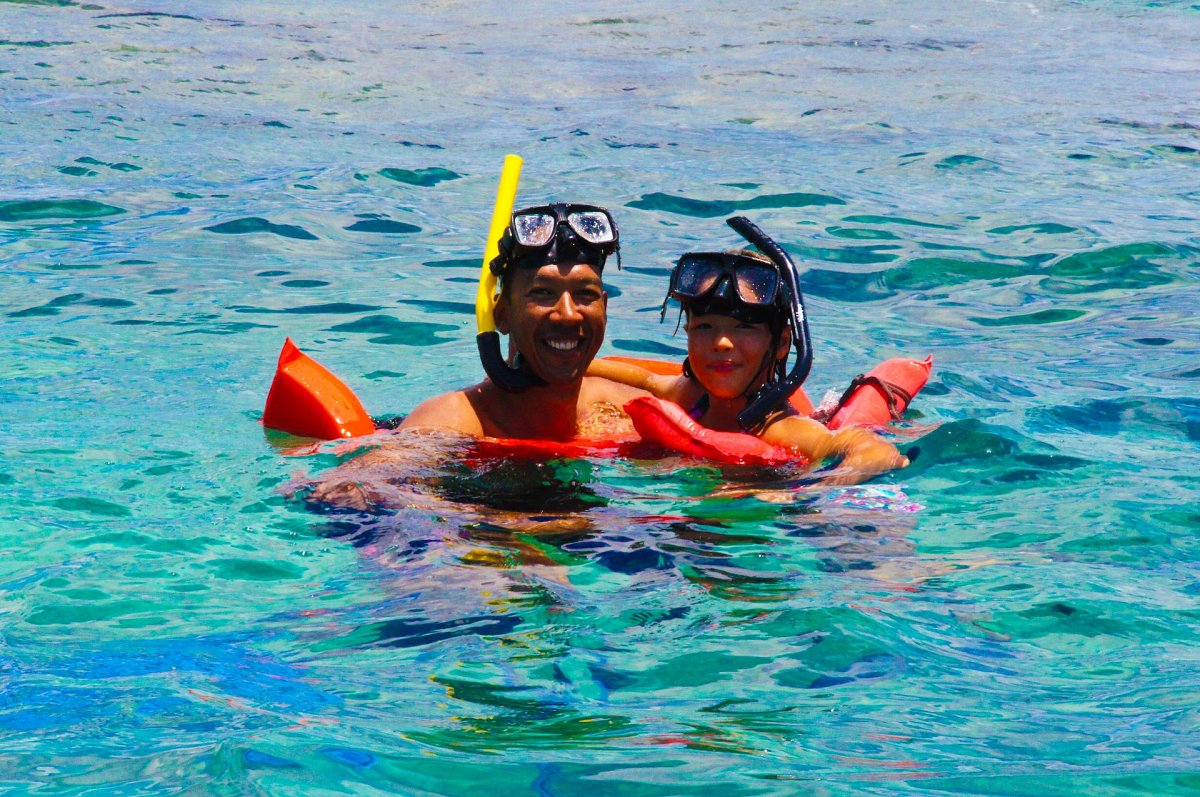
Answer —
(476, 547)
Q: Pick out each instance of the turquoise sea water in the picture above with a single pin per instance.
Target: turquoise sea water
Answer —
(1009, 186)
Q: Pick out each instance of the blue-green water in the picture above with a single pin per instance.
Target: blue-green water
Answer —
(1011, 187)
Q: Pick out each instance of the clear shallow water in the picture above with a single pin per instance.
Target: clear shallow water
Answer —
(1009, 186)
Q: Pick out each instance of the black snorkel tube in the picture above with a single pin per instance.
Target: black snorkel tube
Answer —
(772, 395)
(503, 375)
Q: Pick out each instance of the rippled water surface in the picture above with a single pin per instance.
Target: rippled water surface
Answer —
(1009, 186)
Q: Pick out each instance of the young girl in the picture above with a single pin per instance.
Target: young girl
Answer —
(737, 310)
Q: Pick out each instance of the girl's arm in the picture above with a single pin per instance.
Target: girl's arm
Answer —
(863, 453)
(657, 385)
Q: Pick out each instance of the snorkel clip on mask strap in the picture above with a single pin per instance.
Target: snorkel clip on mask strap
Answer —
(753, 417)
(508, 378)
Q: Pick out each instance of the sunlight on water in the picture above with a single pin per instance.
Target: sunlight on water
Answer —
(1010, 187)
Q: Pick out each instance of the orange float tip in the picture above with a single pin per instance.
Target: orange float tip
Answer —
(307, 399)
(869, 404)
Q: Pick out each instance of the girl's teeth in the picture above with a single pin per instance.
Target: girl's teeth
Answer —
(563, 345)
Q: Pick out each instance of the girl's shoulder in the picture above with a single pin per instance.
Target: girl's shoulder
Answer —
(683, 390)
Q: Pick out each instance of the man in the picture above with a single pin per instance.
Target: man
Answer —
(553, 307)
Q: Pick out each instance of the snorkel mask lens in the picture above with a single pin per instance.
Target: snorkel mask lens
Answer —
(594, 226)
(534, 229)
(697, 274)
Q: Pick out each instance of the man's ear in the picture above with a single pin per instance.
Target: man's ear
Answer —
(500, 314)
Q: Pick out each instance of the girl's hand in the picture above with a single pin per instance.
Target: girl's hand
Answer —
(869, 456)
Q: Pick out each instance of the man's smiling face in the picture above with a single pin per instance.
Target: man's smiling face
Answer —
(555, 317)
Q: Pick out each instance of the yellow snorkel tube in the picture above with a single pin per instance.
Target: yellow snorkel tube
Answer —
(488, 339)
(506, 196)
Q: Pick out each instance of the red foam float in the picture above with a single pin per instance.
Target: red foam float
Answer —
(555, 449)
(307, 399)
(873, 399)
(883, 393)
(666, 424)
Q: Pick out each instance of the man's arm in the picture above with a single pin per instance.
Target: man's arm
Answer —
(633, 376)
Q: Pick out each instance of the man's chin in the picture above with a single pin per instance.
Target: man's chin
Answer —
(566, 371)
(559, 378)
(561, 374)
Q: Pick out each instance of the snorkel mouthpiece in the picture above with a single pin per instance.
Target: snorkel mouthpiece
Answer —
(513, 380)
(773, 394)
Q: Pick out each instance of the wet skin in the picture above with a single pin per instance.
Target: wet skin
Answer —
(556, 317)
(728, 356)
(729, 359)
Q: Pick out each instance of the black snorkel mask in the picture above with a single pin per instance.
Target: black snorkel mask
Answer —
(558, 233)
(535, 236)
(728, 283)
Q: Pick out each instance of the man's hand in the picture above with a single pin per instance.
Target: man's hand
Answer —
(345, 492)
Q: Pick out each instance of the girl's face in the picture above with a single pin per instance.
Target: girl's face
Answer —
(728, 355)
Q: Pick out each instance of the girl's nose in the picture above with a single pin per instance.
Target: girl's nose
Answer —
(723, 343)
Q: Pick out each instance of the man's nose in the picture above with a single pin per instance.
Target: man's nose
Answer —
(565, 308)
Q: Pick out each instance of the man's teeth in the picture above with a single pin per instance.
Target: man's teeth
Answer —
(562, 345)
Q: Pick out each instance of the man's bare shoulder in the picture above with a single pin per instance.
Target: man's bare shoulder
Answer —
(452, 410)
